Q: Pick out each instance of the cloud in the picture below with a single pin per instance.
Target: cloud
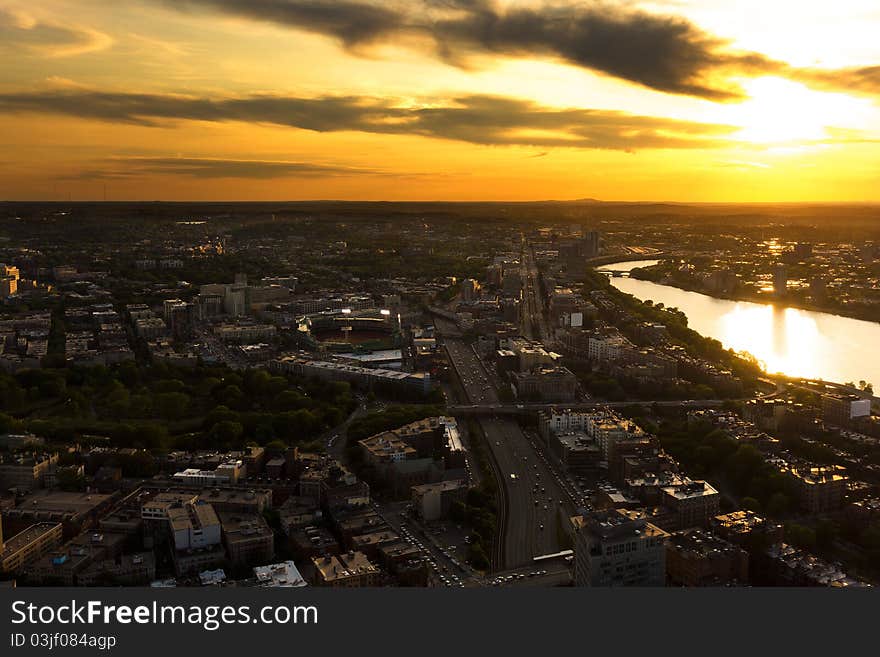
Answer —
(476, 119)
(48, 38)
(856, 79)
(665, 53)
(131, 167)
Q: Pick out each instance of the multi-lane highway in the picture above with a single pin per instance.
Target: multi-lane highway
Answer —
(533, 324)
(533, 499)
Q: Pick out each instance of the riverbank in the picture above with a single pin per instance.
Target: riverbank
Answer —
(799, 343)
(839, 311)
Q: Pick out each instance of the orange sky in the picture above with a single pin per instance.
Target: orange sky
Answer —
(689, 100)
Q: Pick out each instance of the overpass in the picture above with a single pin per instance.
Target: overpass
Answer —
(497, 409)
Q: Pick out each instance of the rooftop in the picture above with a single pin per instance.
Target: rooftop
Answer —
(28, 536)
(284, 574)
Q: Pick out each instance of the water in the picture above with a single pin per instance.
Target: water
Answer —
(790, 341)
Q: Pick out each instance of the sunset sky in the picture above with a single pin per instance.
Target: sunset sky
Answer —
(688, 100)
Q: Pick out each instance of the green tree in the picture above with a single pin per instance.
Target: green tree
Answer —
(172, 405)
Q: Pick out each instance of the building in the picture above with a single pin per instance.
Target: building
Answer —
(248, 538)
(26, 547)
(546, 384)
(840, 409)
(246, 333)
(576, 451)
(609, 431)
(780, 280)
(746, 528)
(350, 569)
(433, 501)
(364, 377)
(25, 471)
(397, 463)
(821, 488)
(785, 565)
(227, 472)
(284, 574)
(608, 345)
(127, 569)
(694, 503)
(150, 328)
(470, 290)
(619, 548)
(370, 543)
(75, 511)
(385, 449)
(192, 528)
(697, 557)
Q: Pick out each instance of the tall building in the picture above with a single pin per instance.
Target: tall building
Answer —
(619, 548)
(803, 250)
(9, 278)
(470, 290)
(179, 317)
(592, 244)
(780, 280)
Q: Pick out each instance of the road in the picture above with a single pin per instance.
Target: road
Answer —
(555, 573)
(533, 322)
(529, 408)
(533, 501)
(440, 559)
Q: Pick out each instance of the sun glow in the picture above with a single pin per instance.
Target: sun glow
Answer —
(783, 112)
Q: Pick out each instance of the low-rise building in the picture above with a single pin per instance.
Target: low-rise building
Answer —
(350, 569)
(284, 575)
(27, 546)
(820, 488)
(697, 557)
(695, 503)
(248, 538)
(433, 501)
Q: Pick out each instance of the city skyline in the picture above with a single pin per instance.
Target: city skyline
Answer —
(710, 101)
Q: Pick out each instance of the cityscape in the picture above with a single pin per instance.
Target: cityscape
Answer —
(438, 294)
(313, 394)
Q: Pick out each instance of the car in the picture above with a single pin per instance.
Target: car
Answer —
(541, 526)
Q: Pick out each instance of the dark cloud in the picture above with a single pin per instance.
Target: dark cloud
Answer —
(665, 53)
(485, 120)
(350, 22)
(129, 167)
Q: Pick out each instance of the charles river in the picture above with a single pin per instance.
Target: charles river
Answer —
(795, 342)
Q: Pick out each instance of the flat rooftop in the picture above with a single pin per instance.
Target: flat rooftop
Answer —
(28, 536)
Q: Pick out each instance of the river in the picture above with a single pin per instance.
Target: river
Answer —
(785, 340)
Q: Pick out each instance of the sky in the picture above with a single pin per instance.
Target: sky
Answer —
(676, 100)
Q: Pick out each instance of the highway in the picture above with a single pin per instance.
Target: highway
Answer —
(533, 501)
(533, 323)
(527, 408)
